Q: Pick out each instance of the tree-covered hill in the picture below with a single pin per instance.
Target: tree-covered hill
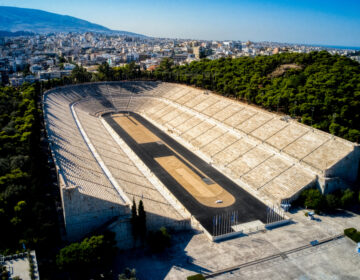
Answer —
(318, 88)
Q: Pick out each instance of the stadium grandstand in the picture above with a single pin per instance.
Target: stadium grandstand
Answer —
(268, 158)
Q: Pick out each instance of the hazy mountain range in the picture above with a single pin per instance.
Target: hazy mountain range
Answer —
(14, 19)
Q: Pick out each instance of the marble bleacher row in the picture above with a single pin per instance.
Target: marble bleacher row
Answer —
(273, 155)
(235, 155)
(122, 168)
(88, 198)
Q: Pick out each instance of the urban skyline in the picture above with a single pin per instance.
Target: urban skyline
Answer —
(302, 22)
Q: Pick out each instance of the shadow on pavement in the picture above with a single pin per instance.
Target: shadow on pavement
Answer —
(150, 266)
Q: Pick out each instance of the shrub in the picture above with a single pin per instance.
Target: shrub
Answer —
(356, 237)
(347, 198)
(4, 274)
(159, 240)
(129, 274)
(196, 277)
(332, 201)
(349, 231)
(31, 266)
(353, 234)
(314, 199)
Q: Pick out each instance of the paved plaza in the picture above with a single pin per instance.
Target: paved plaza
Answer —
(193, 253)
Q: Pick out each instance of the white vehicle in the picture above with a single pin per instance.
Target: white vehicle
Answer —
(218, 201)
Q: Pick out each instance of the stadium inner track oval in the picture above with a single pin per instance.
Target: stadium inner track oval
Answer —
(247, 206)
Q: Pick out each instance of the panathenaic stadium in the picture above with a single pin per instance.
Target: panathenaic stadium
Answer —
(194, 158)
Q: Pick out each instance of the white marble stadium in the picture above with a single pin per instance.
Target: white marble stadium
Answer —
(270, 156)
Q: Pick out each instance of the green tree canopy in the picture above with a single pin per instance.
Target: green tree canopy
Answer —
(105, 72)
(95, 251)
(23, 173)
(80, 75)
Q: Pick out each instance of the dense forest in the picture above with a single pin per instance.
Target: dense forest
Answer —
(27, 215)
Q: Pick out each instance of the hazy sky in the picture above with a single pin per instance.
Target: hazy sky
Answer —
(331, 22)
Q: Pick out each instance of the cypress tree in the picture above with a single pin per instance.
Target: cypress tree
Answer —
(134, 222)
(142, 221)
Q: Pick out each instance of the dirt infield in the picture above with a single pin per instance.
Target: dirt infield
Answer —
(135, 129)
(206, 194)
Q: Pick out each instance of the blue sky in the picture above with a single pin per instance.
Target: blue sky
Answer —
(296, 21)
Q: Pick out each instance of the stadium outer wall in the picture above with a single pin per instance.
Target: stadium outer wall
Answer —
(78, 226)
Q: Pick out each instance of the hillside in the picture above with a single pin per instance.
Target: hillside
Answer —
(15, 34)
(37, 21)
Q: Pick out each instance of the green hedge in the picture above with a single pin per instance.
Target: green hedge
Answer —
(339, 199)
(353, 234)
(196, 277)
